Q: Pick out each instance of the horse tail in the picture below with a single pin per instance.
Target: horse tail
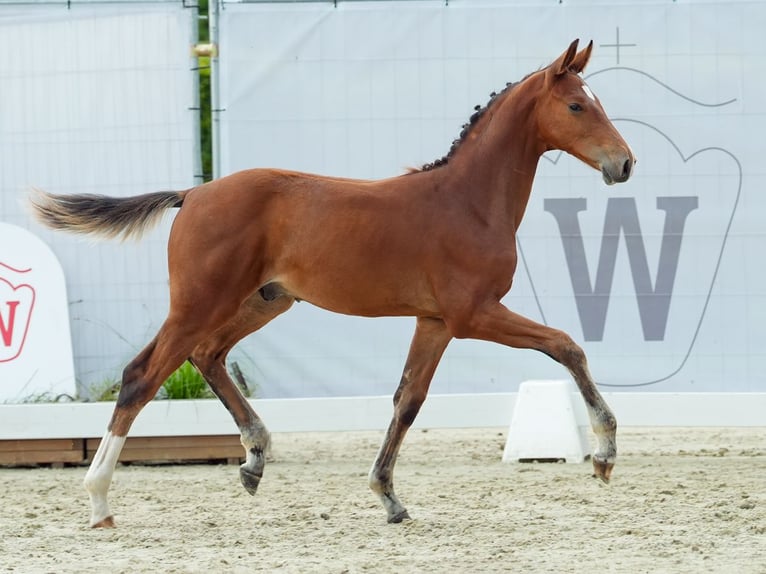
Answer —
(101, 215)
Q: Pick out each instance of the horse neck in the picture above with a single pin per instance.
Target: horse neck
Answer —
(495, 169)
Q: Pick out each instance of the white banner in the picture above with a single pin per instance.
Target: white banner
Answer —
(99, 98)
(659, 279)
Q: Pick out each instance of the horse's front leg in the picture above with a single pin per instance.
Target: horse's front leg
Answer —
(602, 420)
(493, 322)
(428, 344)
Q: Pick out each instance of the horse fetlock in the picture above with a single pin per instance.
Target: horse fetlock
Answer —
(255, 439)
(605, 455)
(96, 484)
(379, 482)
(100, 516)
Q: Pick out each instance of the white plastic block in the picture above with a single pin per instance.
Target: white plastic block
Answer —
(544, 424)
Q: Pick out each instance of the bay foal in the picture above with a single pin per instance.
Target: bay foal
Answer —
(437, 243)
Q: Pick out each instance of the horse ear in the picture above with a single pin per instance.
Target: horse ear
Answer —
(562, 64)
(581, 59)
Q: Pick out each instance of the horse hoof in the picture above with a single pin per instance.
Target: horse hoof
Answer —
(107, 522)
(250, 480)
(602, 469)
(399, 517)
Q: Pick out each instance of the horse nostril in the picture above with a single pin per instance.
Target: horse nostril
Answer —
(626, 168)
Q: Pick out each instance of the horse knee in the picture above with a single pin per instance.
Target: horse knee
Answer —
(379, 479)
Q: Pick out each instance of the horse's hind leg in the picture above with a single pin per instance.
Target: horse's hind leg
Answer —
(428, 344)
(210, 356)
(140, 381)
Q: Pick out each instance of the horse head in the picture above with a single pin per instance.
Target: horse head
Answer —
(570, 118)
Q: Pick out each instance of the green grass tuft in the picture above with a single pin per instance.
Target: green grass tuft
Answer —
(105, 391)
(186, 383)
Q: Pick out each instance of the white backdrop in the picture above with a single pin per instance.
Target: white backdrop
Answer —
(660, 279)
(97, 98)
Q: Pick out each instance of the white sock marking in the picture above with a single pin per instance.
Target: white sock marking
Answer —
(99, 475)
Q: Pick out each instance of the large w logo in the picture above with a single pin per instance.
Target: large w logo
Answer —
(592, 299)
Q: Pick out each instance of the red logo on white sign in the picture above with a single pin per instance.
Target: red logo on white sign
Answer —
(17, 302)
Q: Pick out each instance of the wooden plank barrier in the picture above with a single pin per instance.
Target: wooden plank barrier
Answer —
(175, 449)
(165, 449)
(41, 451)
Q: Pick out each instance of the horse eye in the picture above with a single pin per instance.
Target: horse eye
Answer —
(575, 107)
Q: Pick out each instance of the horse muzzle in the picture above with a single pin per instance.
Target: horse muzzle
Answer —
(618, 169)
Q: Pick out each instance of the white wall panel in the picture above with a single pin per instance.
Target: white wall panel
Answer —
(365, 89)
(96, 98)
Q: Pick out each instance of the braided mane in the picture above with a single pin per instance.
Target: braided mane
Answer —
(468, 127)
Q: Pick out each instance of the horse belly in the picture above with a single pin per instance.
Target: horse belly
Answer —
(367, 294)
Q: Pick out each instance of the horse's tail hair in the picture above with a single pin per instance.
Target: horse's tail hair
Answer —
(101, 215)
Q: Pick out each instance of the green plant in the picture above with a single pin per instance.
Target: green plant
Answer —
(203, 66)
(47, 397)
(206, 127)
(186, 383)
(105, 391)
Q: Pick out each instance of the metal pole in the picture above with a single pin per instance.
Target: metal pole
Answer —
(215, 102)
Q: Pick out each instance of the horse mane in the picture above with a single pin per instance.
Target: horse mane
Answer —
(468, 127)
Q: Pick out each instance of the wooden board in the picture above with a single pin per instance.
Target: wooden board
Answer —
(167, 449)
(41, 451)
(175, 448)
